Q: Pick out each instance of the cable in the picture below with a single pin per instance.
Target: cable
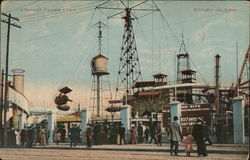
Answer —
(88, 29)
(198, 71)
(45, 36)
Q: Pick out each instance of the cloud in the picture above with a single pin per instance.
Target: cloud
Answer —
(202, 35)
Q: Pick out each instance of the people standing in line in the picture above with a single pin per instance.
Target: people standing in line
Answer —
(152, 131)
(140, 133)
(132, 136)
(42, 137)
(88, 136)
(73, 135)
(57, 137)
(188, 143)
(146, 133)
(175, 136)
(159, 135)
(198, 134)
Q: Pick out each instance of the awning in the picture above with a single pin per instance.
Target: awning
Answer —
(18, 99)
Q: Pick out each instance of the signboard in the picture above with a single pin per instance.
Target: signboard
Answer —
(189, 115)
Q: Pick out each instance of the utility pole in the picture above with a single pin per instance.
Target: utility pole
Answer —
(6, 72)
(1, 108)
(237, 71)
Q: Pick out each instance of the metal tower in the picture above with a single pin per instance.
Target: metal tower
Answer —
(98, 68)
(183, 62)
(129, 67)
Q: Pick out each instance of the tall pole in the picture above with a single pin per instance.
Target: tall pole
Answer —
(237, 71)
(7, 73)
(217, 84)
(100, 37)
(6, 84)
(98, 95)
(1, 109)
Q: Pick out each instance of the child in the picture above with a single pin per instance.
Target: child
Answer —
(57, 137)
(188, 143)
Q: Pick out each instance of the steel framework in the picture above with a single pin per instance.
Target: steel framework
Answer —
(183, 62)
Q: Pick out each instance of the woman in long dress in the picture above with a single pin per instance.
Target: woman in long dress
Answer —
(133, 135)
(42, 137)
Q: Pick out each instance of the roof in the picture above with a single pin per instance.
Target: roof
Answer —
(65, 90)
(188, 71)
(183, 85)
(159, 75)
(74, 117)
(144, 84)
(99, 55)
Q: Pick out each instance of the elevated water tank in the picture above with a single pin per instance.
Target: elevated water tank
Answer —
(99, 65)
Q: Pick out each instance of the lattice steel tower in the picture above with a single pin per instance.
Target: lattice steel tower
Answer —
(183, 62)
(129, 67)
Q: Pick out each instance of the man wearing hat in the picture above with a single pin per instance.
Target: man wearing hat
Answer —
(121, 132)
(73, 133)
(175, 136)
(198, 134)
(89, 133)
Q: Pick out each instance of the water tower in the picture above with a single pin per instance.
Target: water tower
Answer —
(99, 68)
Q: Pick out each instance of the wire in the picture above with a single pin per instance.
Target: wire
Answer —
(198, 71)
(77, 64)
(45, 36)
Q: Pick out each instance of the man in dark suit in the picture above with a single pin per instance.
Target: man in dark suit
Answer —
(121, 131)
(198, 134)
(73, 133)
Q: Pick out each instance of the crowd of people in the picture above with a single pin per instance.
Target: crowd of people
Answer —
(29, 136)
(98, 134)
(115, 133)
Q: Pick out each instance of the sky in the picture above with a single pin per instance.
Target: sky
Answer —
(55, 47)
